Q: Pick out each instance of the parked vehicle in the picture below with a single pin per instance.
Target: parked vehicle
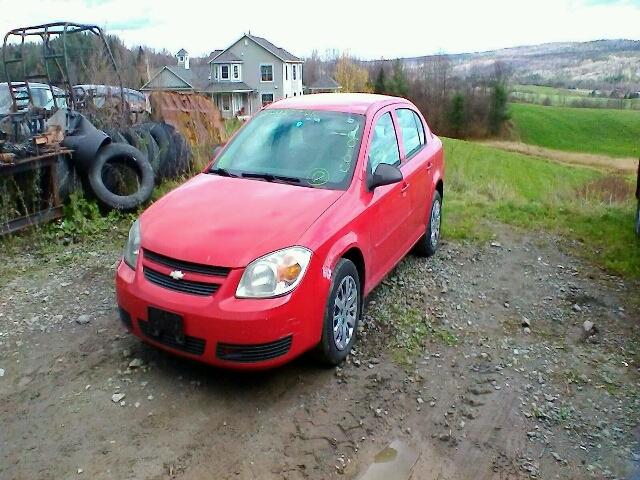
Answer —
(102, 95)
(269, 252)
(41, 93)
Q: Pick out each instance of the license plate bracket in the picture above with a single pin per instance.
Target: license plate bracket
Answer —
(166, 323)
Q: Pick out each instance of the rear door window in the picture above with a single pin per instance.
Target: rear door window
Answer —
(412, 130)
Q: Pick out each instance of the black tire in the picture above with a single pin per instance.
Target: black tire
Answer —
(328, 351)
(151, 146)
(167, 150)
(429, 242)
(140, 174)
(117, 137)
(183, 153)
(68, 179)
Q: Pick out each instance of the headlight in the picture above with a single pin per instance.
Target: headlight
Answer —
(274, 274)
(132, 247)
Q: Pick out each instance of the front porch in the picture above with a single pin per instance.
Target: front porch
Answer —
(233, 99)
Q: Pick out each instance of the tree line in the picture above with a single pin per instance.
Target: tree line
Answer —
(472, 107)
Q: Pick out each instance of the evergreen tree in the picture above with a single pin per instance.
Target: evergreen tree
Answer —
(498, 113)
(399, 85)
(380, 85)
(457, 115)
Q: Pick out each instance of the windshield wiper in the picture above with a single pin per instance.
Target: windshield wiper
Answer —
(223, 172)
(270, 177)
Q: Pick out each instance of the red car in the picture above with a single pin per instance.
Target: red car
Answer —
(269, 252)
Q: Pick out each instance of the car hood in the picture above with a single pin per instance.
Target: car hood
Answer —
(229, 222)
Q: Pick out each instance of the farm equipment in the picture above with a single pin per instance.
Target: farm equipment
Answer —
(47, 153)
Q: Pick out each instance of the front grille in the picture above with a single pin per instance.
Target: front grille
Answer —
(125, 318)
(192, 345)
(186, 286)
(253, 353)
(186, 266)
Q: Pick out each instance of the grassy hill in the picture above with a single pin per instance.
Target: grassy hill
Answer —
(566, 97)
(592, 209)
(603, 131)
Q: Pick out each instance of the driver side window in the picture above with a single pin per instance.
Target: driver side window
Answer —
(384, 144)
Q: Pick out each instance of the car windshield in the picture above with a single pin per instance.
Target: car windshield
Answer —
(304, 147)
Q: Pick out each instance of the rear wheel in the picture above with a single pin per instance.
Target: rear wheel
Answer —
(429, 242)
(342, 314)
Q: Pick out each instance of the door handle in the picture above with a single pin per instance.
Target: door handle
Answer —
(429, 165)
(405, 187)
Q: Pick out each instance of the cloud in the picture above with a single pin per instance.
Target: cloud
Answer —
(401, 28)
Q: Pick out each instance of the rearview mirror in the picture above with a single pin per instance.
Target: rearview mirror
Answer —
(384, 174)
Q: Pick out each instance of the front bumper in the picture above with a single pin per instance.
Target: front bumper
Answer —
(223, 330)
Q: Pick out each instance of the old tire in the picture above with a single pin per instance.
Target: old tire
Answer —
(429, 242)
(167, 150)
(140, 174)
(342, 314)
(151, 146)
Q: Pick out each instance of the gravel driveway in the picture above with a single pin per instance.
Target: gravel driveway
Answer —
(499, 361)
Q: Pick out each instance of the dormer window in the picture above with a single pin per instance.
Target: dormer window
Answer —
(181, 59)
(236, 72)
(294, 72)
(224, 73)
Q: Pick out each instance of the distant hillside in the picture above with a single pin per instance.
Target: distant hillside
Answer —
(596, 64)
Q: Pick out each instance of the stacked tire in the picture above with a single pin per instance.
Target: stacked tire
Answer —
(127, 167)
(166, 150)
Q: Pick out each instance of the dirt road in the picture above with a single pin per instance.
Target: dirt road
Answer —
(478, 359)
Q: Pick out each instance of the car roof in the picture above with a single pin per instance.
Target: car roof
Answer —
(360, 103)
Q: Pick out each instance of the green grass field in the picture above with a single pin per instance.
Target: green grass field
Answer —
(565, 97)
(485, 184)
(602, 131)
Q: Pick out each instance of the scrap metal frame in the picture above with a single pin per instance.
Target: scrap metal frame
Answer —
(48, 32)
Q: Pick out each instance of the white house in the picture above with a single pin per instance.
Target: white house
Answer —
(241, 79)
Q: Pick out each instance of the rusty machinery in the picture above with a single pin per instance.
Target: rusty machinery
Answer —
(30, 140)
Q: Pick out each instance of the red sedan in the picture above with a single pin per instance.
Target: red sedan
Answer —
(269, 252)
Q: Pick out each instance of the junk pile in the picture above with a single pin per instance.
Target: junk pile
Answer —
(46, 154)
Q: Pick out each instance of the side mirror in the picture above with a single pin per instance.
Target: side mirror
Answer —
(385, 174)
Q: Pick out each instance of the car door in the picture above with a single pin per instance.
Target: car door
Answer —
(417, 170)
(388, 205)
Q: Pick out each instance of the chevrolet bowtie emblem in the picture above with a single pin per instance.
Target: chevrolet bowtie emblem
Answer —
(177, 275)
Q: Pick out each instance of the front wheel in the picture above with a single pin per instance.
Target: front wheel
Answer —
(342, 314)
(429, 242)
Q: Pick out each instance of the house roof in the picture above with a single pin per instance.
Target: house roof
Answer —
(182, 51)
(325, 83)
(225, 87)
(281, 53)
(196, 76)
(225, 57)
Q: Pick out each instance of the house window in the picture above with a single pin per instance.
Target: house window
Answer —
(181, 58)
(236, 72)
(267, 98)
(266, 73)
(215, 72)
(294, 72)
(226, 102)
(225, 72)
(286, 72)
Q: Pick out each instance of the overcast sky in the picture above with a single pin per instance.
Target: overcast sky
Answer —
(370, 29)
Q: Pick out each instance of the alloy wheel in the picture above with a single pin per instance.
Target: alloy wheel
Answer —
(345, 311)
